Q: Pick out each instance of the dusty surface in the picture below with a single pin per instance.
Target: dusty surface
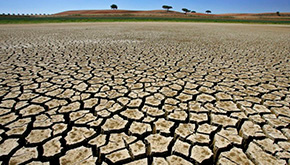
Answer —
(172, 93)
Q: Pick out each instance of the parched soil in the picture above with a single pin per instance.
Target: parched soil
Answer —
(144, 93)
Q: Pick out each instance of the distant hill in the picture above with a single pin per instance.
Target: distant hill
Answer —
(114, 12)
(146, 16)
(171, 13)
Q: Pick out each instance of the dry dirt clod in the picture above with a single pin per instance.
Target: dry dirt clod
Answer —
(258, 156)
(118, 156)
(52, 147)
(158, 143)
(235, 155)
(201, 154)
(23, 154)
(7, 146)
(77, 155)
(37, 136)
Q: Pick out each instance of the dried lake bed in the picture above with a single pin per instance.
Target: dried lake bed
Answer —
(144, 93)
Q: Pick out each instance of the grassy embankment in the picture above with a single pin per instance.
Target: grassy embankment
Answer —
(29, 20)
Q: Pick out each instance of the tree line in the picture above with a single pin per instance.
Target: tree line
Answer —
(166, 7)
(18, 14)
(185, 10)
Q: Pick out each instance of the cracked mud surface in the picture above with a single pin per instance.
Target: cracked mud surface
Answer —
(144, 93)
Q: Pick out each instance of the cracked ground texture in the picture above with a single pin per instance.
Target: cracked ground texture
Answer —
(144, 93)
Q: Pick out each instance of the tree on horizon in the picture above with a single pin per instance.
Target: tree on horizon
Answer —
(167, 7)
(185, 10)
(114, 7)
(208, 12)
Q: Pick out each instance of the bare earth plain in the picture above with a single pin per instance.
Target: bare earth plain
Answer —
(144, 93)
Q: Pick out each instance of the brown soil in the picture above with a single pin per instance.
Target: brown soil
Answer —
(165, 13)
(101, 12)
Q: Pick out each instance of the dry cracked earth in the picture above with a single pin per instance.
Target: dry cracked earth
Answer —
(144, 93)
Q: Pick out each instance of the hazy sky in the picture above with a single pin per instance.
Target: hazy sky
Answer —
(216, 6)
